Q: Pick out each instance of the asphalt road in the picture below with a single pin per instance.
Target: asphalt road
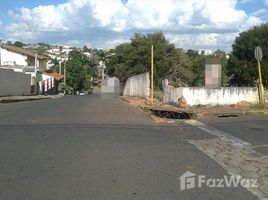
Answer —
(85, 147)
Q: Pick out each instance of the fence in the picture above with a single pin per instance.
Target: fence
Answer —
(204, 96)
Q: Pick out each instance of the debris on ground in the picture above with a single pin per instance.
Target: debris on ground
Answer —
(181, 111)
(243, 104)
(182, 102)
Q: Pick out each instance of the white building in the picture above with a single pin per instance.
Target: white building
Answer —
(21, 60)
(59, 50)
(87, 54)
(206, 52)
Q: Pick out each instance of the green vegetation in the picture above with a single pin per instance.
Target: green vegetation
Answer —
(260, 106)
(135, 57)
(18, 44)
(79, 71)
(242, 66)
(181, 68)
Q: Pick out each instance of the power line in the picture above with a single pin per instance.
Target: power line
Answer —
(4, 12)
(3, 36)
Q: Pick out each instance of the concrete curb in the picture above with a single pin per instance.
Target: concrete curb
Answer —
(232, 114)
(125, 99)
(13, 99)
(228, 113)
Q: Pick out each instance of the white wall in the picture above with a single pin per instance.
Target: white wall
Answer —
(11, 57)
(14, 83)
(110, 85)
(212, 97)
(138, 86)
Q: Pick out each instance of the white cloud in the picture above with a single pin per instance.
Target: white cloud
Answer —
(259, 12)
(113, 43)
(108, 21)
(245, 1)
(208, 40)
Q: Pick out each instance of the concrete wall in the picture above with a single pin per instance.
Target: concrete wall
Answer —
(110, 85)
(138, 86)
(203, 96)
(14, 83)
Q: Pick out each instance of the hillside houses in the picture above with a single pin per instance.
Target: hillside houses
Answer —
(16, 60)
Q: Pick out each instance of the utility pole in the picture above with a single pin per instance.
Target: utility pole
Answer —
(258, 55)
(102, 72)
(60, 60)
(152, 74)
(60, 66)
(64, 72)
(35, 72)
(0, 53)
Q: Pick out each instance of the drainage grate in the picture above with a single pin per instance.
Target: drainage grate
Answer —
(228, 115)
(172, 114)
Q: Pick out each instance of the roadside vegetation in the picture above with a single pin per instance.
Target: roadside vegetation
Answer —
(182, 68)
(242, 66)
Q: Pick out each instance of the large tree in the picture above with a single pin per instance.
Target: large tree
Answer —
(242, 66)
(198, 67)
(135, 57)
(79, 71)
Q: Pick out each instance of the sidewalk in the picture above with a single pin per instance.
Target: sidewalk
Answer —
(242, 109)
(12, 99)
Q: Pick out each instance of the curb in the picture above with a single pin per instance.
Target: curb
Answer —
(124, 99)
(216, 114)
(232, 114)
(30, 98)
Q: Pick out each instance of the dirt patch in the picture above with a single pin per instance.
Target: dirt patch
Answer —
(160, 109)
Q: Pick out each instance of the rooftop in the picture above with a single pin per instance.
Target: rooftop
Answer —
(23, 51)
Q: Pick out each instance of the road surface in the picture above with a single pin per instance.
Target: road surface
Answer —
(86, 147)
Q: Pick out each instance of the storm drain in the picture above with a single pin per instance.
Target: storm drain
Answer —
(172, 114)
(228, 115)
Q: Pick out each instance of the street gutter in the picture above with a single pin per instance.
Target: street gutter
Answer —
(14, 99)
(196, 113)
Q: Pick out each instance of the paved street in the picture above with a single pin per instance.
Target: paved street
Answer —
(85, 147)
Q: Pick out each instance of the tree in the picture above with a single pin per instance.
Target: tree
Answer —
(181, 72)
(76, 74)
(18, 44)
(9, 43)
(44, 45)
(79, 71)
(135, 57)
(242, 66)
(198, 67)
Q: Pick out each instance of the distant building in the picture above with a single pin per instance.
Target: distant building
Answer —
(205, 52)
(87, 54)
(59, 50)
(59, 53)
(32, 46)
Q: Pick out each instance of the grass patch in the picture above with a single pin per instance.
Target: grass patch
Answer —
(260, 106)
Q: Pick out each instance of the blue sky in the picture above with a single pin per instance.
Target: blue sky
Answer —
(195, 24)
